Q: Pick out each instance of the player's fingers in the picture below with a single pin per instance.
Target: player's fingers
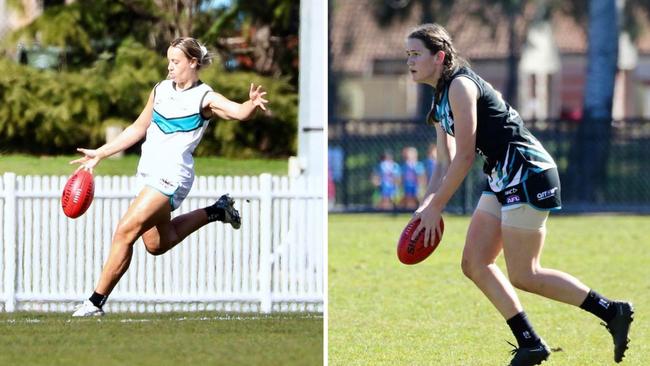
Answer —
(262, 93)
(87, 152)
(78, 161)
(417, 231)
(427, 237)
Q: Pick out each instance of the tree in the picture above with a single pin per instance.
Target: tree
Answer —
(267, 34)
(114, 54)
(589, 160)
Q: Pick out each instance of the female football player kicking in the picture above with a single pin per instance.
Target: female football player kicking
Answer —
(173, 121)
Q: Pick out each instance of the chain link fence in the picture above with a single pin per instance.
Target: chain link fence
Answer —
(602, 169)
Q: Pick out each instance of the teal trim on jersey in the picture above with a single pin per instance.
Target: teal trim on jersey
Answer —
(442, 113)
(170, 196)
(512, 162)
(179, 124)
(535, 153)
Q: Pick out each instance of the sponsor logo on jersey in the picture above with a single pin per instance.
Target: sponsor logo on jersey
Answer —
(511, 191)
(547, 194)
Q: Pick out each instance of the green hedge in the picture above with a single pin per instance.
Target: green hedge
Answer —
(52, 112)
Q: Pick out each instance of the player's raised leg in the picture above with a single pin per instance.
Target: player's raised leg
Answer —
(166, 234)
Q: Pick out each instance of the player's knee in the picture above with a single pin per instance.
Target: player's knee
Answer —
(523, 280)
(155, 250)
(129, 226)
(470, 267)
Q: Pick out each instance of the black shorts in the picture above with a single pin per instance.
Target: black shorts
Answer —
(540, 190)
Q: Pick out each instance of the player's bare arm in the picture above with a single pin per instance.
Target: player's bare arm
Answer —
(222, 107)
(127, 138)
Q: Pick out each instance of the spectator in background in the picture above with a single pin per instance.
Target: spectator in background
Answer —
(430, 162)
(413, 178)
(386, 177)
(331, 188)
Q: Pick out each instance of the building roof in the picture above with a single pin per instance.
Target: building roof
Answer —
(358, 39)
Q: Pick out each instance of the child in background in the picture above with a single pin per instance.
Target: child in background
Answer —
(386, 177)
(430, 161)
(413, 177)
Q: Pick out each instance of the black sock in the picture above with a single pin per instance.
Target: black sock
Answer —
(523, 331)
(598, 305)
(215, 213)
(98, 299)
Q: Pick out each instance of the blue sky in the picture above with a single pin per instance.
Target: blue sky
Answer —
(217, 3)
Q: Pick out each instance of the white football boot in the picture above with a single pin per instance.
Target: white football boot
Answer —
(87, 308)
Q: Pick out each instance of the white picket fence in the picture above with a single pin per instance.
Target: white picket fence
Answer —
(275, 262)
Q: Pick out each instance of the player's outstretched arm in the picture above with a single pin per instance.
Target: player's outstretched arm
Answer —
(227, 109)
(132, 134)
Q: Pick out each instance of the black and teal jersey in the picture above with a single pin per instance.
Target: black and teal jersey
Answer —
(510, 151)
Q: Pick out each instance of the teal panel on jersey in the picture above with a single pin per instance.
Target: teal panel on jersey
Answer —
(180, 124)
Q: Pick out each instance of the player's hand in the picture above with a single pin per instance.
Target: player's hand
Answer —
(429, 217)
(89, 161)
(256, 96)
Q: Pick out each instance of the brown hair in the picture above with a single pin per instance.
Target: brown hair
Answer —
(193, 49)
(436, 38)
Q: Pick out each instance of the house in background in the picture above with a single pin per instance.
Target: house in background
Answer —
(369, 62)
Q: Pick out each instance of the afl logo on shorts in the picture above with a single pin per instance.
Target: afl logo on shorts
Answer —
(547, 194)
(512, 199)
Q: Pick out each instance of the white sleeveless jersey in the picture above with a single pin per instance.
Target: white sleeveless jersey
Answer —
(175, 130)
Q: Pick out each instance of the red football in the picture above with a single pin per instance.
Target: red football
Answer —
(78, 194)
(413, 251)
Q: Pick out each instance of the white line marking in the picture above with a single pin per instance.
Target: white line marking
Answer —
(114, 318)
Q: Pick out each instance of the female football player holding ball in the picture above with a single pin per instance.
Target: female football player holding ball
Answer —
(471, 117)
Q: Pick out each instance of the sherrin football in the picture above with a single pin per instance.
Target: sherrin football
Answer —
(413, 251)
(78, 194)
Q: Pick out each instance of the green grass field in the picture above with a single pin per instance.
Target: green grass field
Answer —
(58, 165)
(382, 312)
(161, 339)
